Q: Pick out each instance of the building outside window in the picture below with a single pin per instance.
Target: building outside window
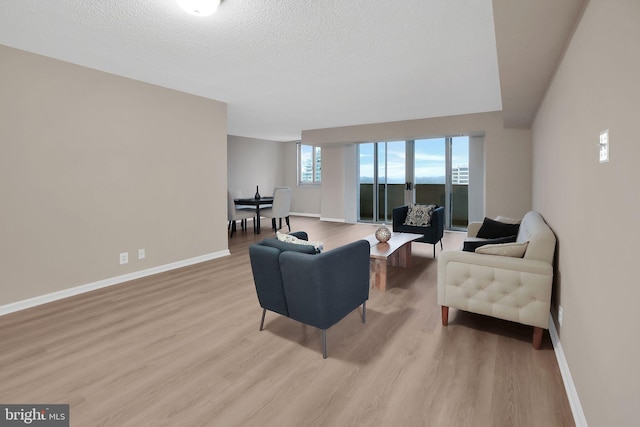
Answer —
(309, 164)
(460, 175)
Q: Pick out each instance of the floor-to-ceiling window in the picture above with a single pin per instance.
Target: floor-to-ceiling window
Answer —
(382, 179)
(459, 176)
(429, 171)
(366, 178)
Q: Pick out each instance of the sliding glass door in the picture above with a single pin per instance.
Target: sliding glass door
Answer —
(427, 171)
(430, 171)
(391, 178)
(366, 181)
(442, 177)
(382, 179)
(459, 187)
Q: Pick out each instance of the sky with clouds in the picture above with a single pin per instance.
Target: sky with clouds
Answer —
(429, 158)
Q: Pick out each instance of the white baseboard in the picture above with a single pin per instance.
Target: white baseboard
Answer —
(77, 290)
(570, 388)
(332, 219)
(310, 215)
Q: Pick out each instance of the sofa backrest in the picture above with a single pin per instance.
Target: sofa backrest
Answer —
(264, 257)
(542, 241)
(322, 289)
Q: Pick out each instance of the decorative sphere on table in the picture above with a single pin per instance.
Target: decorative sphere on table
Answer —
(383, 234)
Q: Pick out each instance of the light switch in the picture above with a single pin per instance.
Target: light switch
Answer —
(604, 146)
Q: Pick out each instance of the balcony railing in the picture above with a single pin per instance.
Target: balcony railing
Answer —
(425, 193)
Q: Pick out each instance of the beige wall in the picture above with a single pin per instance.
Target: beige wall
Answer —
(93, 165)
(593, 208)
(507, 154)
(305, 199)
(268, 164)
(252, 162)
(333, 187)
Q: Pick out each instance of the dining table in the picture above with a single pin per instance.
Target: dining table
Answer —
(257, 203)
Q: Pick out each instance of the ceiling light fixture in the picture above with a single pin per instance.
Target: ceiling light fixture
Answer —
(199, 7)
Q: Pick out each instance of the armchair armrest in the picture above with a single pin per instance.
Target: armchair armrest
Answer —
(322, 289)
(399, 216)
(472, 228)
(267, 278)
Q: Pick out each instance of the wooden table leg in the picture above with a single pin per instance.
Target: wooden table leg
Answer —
(405, 255)
(378, 274)
(402, 256)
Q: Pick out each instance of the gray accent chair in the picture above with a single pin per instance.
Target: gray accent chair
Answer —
(432, 234)
(315, 289)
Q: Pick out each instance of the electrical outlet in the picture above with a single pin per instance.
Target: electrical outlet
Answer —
(604, 146)
(560, 315)
(141, 254)
(124, 257)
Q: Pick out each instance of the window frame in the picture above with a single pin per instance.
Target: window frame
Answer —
(316, 160)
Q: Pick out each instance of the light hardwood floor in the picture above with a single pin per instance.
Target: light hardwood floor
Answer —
(183, 348)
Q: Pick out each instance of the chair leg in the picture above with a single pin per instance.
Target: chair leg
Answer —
(440, 244)
(264, 311)
(288, 225)
(445, 315)
(233, 228)
(273, 224)
(279, 223)
(537, 337)
(364, 312)
(434, 250)
(324, 343)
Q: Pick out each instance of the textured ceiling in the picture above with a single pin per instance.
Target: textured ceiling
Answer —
(282, 66)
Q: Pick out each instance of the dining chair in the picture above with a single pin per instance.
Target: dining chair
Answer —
(274, 195)
(278, 188)
(280, 207)
(234, 215)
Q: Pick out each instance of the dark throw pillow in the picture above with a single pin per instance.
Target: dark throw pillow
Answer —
(492, 229)
(471, 245)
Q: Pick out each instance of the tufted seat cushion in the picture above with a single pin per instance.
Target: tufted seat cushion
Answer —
(513, 289)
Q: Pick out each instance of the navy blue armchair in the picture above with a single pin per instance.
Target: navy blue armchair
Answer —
(432, 234)
(315, 289)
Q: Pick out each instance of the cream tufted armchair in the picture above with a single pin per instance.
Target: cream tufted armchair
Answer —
(515, 289)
